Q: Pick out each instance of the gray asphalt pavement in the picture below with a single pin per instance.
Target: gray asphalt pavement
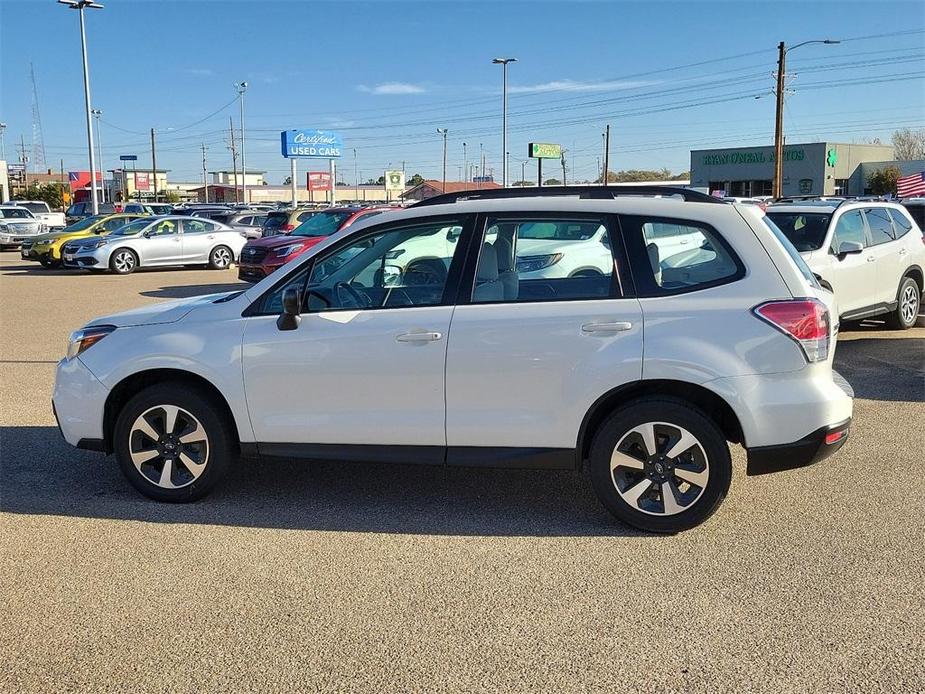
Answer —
(376, 578)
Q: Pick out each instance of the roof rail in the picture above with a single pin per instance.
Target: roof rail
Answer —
(583, 192)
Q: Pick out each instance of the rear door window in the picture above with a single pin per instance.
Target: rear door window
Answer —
(880, 224)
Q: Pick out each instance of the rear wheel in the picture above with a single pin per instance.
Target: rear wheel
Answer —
(123, 261)
(220, 258)
(907, 306)
(660, 465)
(172, 444)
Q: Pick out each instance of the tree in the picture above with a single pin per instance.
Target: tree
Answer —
(415, 180)
(170, 196)
(552, 182)
(52, 193)
(909, 144)
(883, 181)
(522, 184)
(683, 176)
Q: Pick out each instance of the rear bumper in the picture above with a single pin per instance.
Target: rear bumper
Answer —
(817, 446)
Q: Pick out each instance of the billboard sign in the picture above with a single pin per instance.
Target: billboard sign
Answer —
(142, 181)
(128, 157)
(394, 181)
(483, 179)
(16, 168)
(543, 150)
(308, 144)
(318, 180)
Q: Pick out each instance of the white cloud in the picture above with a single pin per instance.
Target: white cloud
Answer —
(575, 86)
(392, 88)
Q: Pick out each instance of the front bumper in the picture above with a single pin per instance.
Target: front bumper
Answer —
(255, 273)
(86, 258)
(810, 449)
(78, 402)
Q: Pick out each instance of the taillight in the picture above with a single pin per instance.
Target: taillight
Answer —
(286, 227)
(804, 320)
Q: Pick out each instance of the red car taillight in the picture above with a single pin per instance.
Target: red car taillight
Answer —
(805, 321)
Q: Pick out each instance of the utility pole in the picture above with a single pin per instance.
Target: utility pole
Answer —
(205, 175)
(61, 179)
(234, 159)
(154, 164)
(443, 131)
(607, 155)
(465, 167)
(2, 147)
(523, 172)
(98, 114)
(562, 159)
(779, 123)
(242, 88)
(24, 160)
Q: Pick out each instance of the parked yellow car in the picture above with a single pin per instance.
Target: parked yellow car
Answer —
(46, 248)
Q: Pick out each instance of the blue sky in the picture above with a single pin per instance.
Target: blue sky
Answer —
(667, 76)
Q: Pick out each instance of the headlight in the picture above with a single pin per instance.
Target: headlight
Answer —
(85, 338)
(289, 250)
(99, 243)
(532, 263)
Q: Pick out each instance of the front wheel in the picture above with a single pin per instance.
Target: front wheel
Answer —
(172, 444)
(907, 305)
(123, 261)
(660, 465)
(220, 258)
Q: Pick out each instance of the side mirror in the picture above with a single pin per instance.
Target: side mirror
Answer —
(290, 318)
(848, 247)
(147, 234)
(453, 235)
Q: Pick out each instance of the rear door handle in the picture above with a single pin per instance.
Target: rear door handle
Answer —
(871, 259)
(615, 327)
(903, 251)
(419, 337)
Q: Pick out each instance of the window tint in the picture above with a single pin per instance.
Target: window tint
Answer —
(401, 267)
(850, 227)
(162, 228)
(791, 251)
(551, 259)
(881, 226)
(305, 215)
(114, 223)
(806, 231)
(197, 226)
(673, 256)
(14, 213)
(901, 223)
(918, 214)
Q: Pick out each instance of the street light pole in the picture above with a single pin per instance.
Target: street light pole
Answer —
(443, 131)
(79, 5)
(465, 168)
(782, 50)
(503, 63)
(98, 113)
(242, 88)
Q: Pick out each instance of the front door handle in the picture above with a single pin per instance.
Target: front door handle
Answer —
(419, 337)
(903, 251)
(615, 327)
(871, 259)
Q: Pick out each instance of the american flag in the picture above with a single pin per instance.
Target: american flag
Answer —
(911, 186)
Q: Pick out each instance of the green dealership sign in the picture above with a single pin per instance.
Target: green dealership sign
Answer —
(541, 150)
(755, 157)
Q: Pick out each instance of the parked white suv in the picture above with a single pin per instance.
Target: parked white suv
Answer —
(645, 371)
(871, 254)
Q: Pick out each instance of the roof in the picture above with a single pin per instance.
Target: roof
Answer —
(453, 186)
(825, 206)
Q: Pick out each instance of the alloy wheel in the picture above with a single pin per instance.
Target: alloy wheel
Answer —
(660, 469)
(221, 257)
(124, 261)
(909, 304)
(168, 446)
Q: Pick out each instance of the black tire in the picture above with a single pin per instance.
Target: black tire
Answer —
(221, 258)
(220, 449)
(667, 412)
(909, 302)
(123, 261)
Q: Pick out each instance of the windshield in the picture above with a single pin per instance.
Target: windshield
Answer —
(806, 230)
(34, 206)
(322, 224)
(13, 213)
(131, 228)
(558, 231)
(84, 223)
(791, 251)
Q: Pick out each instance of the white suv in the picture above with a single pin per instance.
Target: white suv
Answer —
(871, 254)
(356, 352)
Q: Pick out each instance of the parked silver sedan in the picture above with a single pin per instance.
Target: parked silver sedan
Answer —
(156, 242)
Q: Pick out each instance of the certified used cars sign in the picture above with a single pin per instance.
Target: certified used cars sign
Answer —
(323, 144)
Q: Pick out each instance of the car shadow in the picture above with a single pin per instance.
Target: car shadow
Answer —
(880, 368)
(186, 291)
(41, 474)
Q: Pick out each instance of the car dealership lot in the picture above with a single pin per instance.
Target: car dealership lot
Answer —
(371, 577)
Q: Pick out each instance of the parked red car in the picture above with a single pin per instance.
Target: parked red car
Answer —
(262, 256)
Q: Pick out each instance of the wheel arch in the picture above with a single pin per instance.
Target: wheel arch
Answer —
(712, 404)
(129, 386)
(915, 272)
